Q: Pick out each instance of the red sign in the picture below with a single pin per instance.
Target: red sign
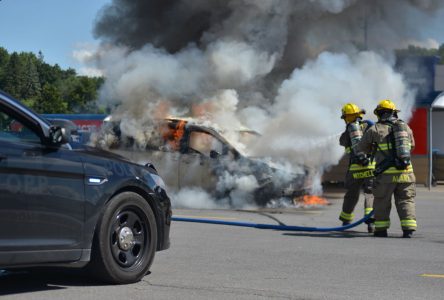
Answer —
(88, 125)
(418, 124)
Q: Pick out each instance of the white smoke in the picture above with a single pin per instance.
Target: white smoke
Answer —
(305, 120)
(238, 192)
(335, 6)
(283, 68)
(195, 198)
(240, 188)
(150, 74)
(236, 64)
(85, 54)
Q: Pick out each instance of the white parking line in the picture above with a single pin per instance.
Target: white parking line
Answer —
(432, 275)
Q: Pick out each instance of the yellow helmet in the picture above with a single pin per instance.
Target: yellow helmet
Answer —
(386, 104)
(351, 110)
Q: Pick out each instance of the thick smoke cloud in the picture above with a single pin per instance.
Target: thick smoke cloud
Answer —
(297, 26)
(314, 95)
(282, 67)
(165, 24)
(173, 25)
(248, 45)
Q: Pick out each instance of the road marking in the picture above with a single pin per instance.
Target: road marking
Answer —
(205, 217)
(432, 275)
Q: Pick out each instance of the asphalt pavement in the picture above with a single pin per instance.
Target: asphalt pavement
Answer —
(208, 261)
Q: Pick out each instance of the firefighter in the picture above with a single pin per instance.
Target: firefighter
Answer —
(391, 140)
(360, 168)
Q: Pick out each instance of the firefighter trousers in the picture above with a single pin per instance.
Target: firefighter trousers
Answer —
(404, 194)
(352, 194)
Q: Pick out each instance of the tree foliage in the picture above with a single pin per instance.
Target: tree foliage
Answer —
(47, 88)
(420, 51)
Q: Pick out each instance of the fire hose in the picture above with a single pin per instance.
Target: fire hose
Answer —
(274, 227)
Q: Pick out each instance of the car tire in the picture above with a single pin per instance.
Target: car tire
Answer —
(125, 240)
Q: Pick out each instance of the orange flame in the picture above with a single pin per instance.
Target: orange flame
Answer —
(180, 130)
(311, 200)
(173, 135)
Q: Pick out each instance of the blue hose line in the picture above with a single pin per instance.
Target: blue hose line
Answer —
(274, 227)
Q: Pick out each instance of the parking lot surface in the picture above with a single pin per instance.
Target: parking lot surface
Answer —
(208, 261)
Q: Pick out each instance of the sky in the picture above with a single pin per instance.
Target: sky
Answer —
(60, 27)
(55, 27)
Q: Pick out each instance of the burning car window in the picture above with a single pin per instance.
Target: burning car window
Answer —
(205, 143)
(172, 134)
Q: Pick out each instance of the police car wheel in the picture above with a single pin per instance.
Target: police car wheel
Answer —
(125, 240)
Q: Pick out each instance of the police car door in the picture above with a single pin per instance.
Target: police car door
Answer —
(41, 194)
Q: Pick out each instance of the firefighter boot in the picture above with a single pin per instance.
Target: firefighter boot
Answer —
(407, 234)
(345, 223)
(370, 225)
(380, 233)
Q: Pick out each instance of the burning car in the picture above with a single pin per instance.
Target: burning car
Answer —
(198, 155)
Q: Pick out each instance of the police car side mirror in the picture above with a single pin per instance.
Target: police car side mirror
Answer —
(58, 136)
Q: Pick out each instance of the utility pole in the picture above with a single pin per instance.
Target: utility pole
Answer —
(365, 28)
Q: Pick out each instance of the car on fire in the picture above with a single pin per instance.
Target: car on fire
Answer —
(81, 207)
(193, 154)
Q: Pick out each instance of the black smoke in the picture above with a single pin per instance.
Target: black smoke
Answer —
(168, 24)
(310, 26)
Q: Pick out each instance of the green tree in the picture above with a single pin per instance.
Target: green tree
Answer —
(14, 76)
(4, 60)
(47, 73)
(81, 92)
(47, 88)
(420, 51)
(441, 53)
(31, 85)
(51, 101)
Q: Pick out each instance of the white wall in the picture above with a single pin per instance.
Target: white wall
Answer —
(439, 78)
(438, 130)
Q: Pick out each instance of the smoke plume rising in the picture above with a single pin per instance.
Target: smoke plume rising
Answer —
(283, 68)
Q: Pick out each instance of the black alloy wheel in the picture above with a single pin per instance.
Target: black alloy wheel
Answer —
(125, 240)
(129, 237)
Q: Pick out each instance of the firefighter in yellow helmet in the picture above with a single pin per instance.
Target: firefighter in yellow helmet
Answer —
(391, 140)
(360, 169)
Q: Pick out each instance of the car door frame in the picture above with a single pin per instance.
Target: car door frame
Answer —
(23, 252)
